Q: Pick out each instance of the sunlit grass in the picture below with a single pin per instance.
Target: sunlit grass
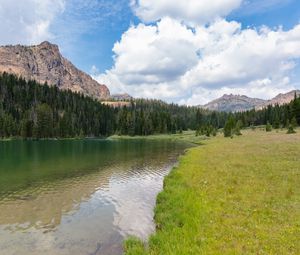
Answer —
(186, 136)
(231, 196)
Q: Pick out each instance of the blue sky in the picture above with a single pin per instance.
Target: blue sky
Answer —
(272, 13)
(95, 29)
(189, 52)
(93, 45)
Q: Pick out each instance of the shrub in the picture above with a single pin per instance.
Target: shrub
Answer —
(268, 127)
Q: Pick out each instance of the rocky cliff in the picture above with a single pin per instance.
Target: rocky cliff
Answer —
(233, 103)
(121, 97)
(44, 63)
(237, 103)
(283, 98)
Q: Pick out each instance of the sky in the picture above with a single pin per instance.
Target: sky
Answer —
(187, 52)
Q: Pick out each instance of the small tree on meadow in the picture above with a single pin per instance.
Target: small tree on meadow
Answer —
(214, 132)
(268, 127)
(229, 127)
(292, 126)
(238, 127)
(294, 122)
(291, 130)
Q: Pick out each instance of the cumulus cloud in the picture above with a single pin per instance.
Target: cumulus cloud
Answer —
(27, 21)
(174, 62)
(191, 11)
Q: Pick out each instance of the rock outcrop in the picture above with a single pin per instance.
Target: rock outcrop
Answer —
(237, 103)
(44, 63)
(233, 103)
(121, 97)
(283, 98)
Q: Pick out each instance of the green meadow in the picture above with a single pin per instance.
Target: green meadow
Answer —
(230, 196)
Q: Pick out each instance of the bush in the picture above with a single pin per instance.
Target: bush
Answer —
(268, 127)
(291, 129)
(206, 130)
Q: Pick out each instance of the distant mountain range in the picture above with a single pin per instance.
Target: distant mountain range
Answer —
(121, 97)
(239, 103)
(44, 63)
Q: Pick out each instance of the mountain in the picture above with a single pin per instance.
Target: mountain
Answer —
(233, 103)
(44, 63)
(238, 103)
(283, 98)
(121, 97)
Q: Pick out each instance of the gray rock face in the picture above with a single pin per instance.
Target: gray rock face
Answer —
(233, 103)
(121, 97)
(284, 98)
(237, 103)
(44, 63)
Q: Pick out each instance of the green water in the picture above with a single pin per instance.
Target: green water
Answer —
(79, 197)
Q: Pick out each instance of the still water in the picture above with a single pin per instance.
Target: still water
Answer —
(79, 197)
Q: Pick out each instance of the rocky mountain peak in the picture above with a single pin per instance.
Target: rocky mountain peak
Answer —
(47, 44)
(239, 103)
(233, 103)
(44, 63)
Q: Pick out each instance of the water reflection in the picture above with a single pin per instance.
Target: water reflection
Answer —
(79, 197)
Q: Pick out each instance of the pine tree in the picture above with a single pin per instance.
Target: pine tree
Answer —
(291, 126)
(268, 127)
(26, 128)
(294, 122)
(1, 126)
(238, 127)
(276, 124)
(229, 127)
(44, 121)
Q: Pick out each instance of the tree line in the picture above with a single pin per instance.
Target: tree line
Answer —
(32, 110)
(273, 117)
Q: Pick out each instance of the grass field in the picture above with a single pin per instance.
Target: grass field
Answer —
(186, 136)
(230, 196)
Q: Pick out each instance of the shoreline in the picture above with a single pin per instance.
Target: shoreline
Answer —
(186, 136)
(215, 200)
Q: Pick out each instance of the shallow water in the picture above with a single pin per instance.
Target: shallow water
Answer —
(79, 197)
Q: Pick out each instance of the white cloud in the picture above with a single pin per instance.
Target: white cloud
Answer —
(191, 11)
(174, 62)
(166, 48)
(27, 21)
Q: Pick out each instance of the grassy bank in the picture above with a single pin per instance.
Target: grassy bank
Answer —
(231, 196)
(186, 136)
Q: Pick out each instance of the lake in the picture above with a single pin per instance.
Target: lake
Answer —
(80, 197)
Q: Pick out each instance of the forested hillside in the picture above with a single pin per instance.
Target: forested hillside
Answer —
(31, 110)
(28, 109)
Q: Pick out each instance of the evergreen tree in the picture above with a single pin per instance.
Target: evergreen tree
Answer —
(291, 129)
(268, 127)
(44, 121)
(294, 122)
(229, 127)
(276, 124)
(29, 109)
(238, 127)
